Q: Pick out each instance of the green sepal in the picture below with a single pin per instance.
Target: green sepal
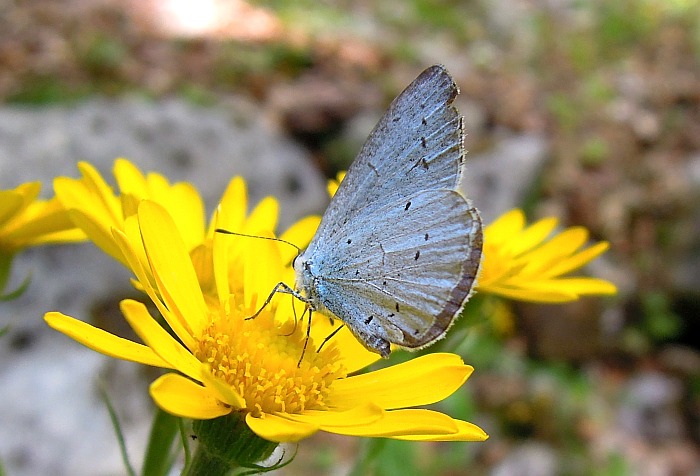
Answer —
(227, 443)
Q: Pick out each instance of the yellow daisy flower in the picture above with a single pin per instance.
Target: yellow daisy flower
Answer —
(26, 221)
(96, 209)
(526, 263)
(224, 363)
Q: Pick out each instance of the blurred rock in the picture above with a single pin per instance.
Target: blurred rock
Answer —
(498, 180)
(184, 142)
(529, 459)
(652, 407)
(686, 272)
(52, 419)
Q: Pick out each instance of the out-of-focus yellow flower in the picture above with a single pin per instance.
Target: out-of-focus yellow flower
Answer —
(27, 221)
(332, 186)
(528, 263)
(226, 363)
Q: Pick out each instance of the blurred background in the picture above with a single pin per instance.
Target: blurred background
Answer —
(587, 110)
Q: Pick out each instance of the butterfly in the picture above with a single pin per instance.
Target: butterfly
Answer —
(398, 249)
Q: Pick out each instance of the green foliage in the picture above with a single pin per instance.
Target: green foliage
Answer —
(594, 152)
(39, 90)
(658, 320)
(128, 468)
(5, 269)
(103, 54)
(159, 453)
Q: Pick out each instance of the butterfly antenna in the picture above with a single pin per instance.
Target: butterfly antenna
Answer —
(235, 233)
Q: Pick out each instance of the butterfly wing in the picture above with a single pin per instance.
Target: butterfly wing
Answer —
(405, 279)
(417, 145)
(398, 249)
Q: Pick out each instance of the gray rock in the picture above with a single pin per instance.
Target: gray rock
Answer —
(529, 459)
(183, 142)
(52, 420)
(497, 180)
(652, 407)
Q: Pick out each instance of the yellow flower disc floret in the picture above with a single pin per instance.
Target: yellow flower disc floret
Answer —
(259, 359)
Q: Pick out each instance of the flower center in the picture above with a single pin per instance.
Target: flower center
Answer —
(259, 358)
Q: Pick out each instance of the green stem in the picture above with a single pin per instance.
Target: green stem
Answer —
(158, 458)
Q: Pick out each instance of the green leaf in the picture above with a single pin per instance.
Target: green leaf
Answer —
(164, 429)
(118, 430)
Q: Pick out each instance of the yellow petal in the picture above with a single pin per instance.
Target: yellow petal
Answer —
(100, 196)
(131, 246)
(98, 232)
(130, 179)
(158, 339)
(171, 265)
(102, 341)
(263, 217)
(408, 422)
(185, 206)
(585, 286)
(353, 355)
(327, 420)
(233, 206)
(531, 291)
(532, 236)
(182, 397)
(577, 261)
(41, 219)
(300, 233)
(10, 204)
(430, 378)
(279, 429)
(505, 226)
(260, 271)
(221, 389)
(465, 431)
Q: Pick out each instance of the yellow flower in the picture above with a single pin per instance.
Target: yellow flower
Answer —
(27, 221)
(96, 209)
(223, 362)
(523, 263)
(332, 186)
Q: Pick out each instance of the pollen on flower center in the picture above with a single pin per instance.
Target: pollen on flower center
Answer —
(259, 358)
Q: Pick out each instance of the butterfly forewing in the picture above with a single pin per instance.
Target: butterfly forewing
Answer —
(417, 145)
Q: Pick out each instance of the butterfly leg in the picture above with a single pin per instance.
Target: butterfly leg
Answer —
(308, 336)
(330, 336)
(279, 288)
